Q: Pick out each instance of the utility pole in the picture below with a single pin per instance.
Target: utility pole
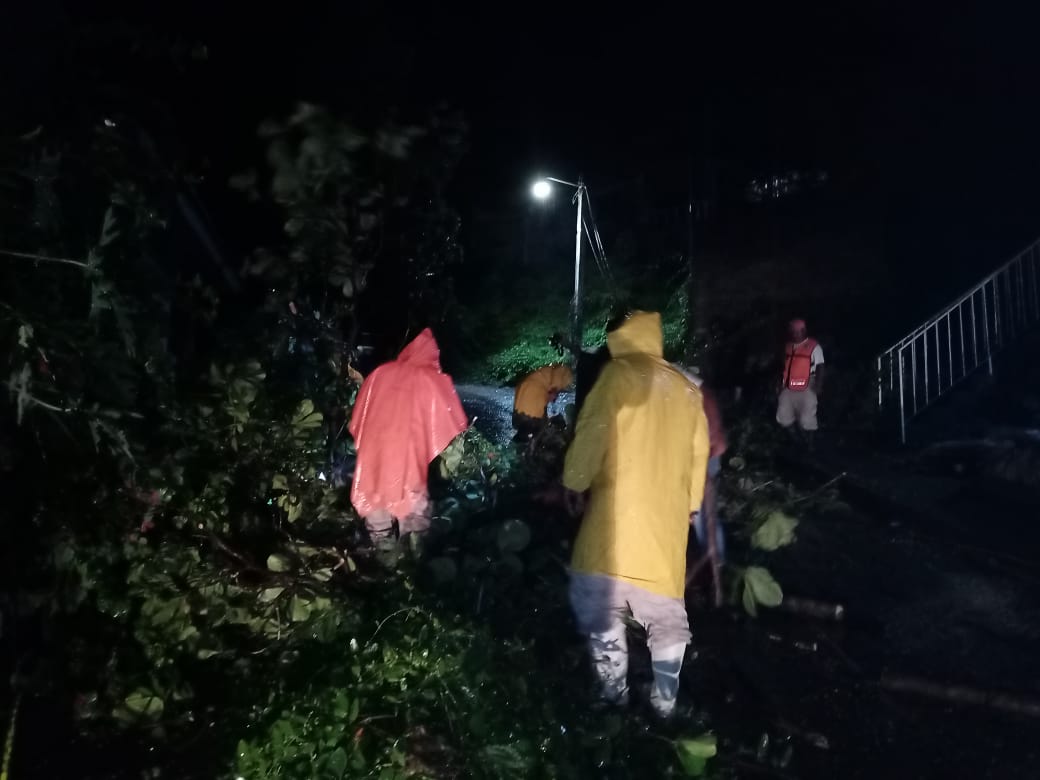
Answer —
(542, 190)
(576, 331)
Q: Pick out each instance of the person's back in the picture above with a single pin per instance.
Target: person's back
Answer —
(533, 396)
(539, 388)
(406, 413)
(643, 450)
(640, 449)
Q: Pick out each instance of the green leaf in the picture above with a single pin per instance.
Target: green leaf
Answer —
(337, 763)
(279, 482)
(766, 590)
(737, 463)
(775, 532)
(278, 562)
(705, 746)
(202, 653)
(748, 599)
(692, 766)
(694, 754)
(25, 333)
(270, 594)
(159, 612)
(305, 417)
(513, 536)
(451, 458)
(293, 512)
(301, 609)
(144, 703)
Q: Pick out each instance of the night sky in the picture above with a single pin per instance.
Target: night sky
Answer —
(926, 118)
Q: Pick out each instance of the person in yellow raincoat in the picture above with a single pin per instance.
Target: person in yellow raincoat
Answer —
(640, 450)
(533, 396)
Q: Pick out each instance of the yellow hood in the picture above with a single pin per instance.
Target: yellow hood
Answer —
(639, 334)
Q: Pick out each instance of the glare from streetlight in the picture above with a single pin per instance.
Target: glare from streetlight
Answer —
(541, 189)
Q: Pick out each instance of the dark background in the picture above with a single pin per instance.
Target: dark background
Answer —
(924, 120)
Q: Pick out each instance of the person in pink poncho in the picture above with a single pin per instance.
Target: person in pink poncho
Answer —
(406, 414)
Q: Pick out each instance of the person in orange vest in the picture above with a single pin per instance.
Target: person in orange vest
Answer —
(801, 382)
(534, 394)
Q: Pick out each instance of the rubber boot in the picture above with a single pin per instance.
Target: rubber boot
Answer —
(667, 663)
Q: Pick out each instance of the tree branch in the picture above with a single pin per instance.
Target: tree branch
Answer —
(43, 258)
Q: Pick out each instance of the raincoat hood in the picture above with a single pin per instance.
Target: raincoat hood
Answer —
(406, 413)
(422, 352)
(639, 334)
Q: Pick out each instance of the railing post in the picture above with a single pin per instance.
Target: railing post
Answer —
(949, 349)
(902, 403)
(927, 395)
(998, 333)
(1021, 294)
(960, 318)
(985, 328)
(880, 401)
(975, 333)
(913, 371)
(1036, 292)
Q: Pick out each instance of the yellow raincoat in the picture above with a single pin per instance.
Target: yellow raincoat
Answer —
(641, 449)
(532, 394)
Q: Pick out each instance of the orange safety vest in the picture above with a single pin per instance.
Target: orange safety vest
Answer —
(798, 368)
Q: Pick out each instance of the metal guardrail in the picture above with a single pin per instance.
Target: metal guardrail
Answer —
(962, 338)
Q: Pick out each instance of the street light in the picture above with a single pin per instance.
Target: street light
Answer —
(541, 190)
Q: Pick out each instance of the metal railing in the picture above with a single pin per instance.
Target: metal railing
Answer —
(946, 349)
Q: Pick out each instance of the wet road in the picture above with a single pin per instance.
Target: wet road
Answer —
(949, 595)
(491, 409)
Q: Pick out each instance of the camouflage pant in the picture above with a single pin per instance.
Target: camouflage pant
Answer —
(600, 605)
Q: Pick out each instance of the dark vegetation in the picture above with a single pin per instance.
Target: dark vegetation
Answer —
(189, 593)
(185, 590)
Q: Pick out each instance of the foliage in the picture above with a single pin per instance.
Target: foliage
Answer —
(759, 588)
(472, 456)
(359, 205)
(694, 753)
(775, 530)
(200, 576)
(759, 506)
(510, 327)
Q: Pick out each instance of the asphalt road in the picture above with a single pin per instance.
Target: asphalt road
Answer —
(490, 409)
